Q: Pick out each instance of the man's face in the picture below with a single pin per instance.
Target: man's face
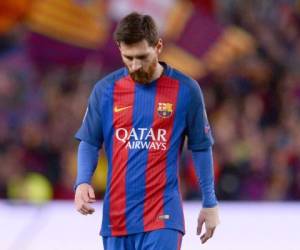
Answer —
(140, 59)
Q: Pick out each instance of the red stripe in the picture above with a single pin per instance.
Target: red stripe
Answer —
(179, 241)
(122, 118)
(179, 189)
(166, 92)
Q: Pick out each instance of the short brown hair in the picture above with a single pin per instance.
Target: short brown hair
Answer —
(136, 27)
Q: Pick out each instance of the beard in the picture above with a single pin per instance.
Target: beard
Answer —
(144, 76)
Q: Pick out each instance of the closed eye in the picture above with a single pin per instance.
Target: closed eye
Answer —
(142, 57)
(139, 57)
(130, 58)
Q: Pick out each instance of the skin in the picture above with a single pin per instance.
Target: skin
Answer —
(209, 229)
(141, 60)
(84, 197)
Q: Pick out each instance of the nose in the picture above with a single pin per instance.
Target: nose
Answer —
(136, 65)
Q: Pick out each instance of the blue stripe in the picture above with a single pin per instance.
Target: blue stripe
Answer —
(107, 106)
(109, 132)
(172, 200)
(143, 114)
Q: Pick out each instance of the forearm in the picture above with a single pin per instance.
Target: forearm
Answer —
(203, 162)
(87, 159)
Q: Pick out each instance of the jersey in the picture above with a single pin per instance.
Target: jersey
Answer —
(142, 127)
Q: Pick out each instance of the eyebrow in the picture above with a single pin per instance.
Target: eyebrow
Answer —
(140, 56)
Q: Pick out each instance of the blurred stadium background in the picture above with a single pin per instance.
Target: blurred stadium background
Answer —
(246, 57)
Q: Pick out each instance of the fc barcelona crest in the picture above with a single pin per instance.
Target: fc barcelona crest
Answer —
(165, 109)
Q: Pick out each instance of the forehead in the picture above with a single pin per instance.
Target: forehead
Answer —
(138, 48)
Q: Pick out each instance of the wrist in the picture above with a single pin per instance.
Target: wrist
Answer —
(211, 214)
(79, 183)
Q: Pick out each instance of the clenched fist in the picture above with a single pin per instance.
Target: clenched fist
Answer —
(84, 196)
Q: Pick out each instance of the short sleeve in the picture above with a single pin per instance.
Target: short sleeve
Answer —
(198, 129)
(91, 128)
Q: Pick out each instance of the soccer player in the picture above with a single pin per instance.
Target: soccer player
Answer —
(141, 113)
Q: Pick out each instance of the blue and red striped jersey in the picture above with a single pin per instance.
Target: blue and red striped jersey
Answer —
(143, 127)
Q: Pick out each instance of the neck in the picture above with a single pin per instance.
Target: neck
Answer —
(158, 72)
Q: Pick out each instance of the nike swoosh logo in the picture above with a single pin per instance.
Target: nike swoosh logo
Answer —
(117, 110)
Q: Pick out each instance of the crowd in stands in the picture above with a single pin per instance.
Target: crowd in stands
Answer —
(244, 54)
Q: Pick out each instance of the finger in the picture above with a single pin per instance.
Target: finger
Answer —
(207, 235)
(203, 238)
(88, 208)
(85, 196)
(82, 211)
(200, 224)
(80, 207)
(199, 229)
(91, 195)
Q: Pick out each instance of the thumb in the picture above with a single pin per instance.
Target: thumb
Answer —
(200, 224)
(91, 193)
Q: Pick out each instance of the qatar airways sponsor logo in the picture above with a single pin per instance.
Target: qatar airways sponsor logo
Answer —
(143, 138)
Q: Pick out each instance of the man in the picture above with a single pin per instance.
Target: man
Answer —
(142, 113)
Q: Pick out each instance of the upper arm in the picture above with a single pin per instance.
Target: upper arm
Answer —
(91, 128)
(198, 128)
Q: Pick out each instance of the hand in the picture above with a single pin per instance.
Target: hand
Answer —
(209, 216)
(84, 196)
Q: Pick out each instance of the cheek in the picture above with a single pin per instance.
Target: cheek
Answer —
(126, 62)
(149, 62)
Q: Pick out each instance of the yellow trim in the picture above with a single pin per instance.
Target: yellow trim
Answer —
(117, 109)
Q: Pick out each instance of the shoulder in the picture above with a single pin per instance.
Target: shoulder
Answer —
(189, 86)
(184, 79)
(186, 82)
(110, 79)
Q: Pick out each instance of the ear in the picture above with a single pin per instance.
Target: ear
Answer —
(119, 45)
(159, 46)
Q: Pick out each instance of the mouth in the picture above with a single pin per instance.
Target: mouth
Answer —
(140, 76)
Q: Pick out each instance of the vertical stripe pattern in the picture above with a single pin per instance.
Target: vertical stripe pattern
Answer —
(108, 132)
(123, 98)
(166, 92)
(173, 201)
(137, 157)
(179, 241)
